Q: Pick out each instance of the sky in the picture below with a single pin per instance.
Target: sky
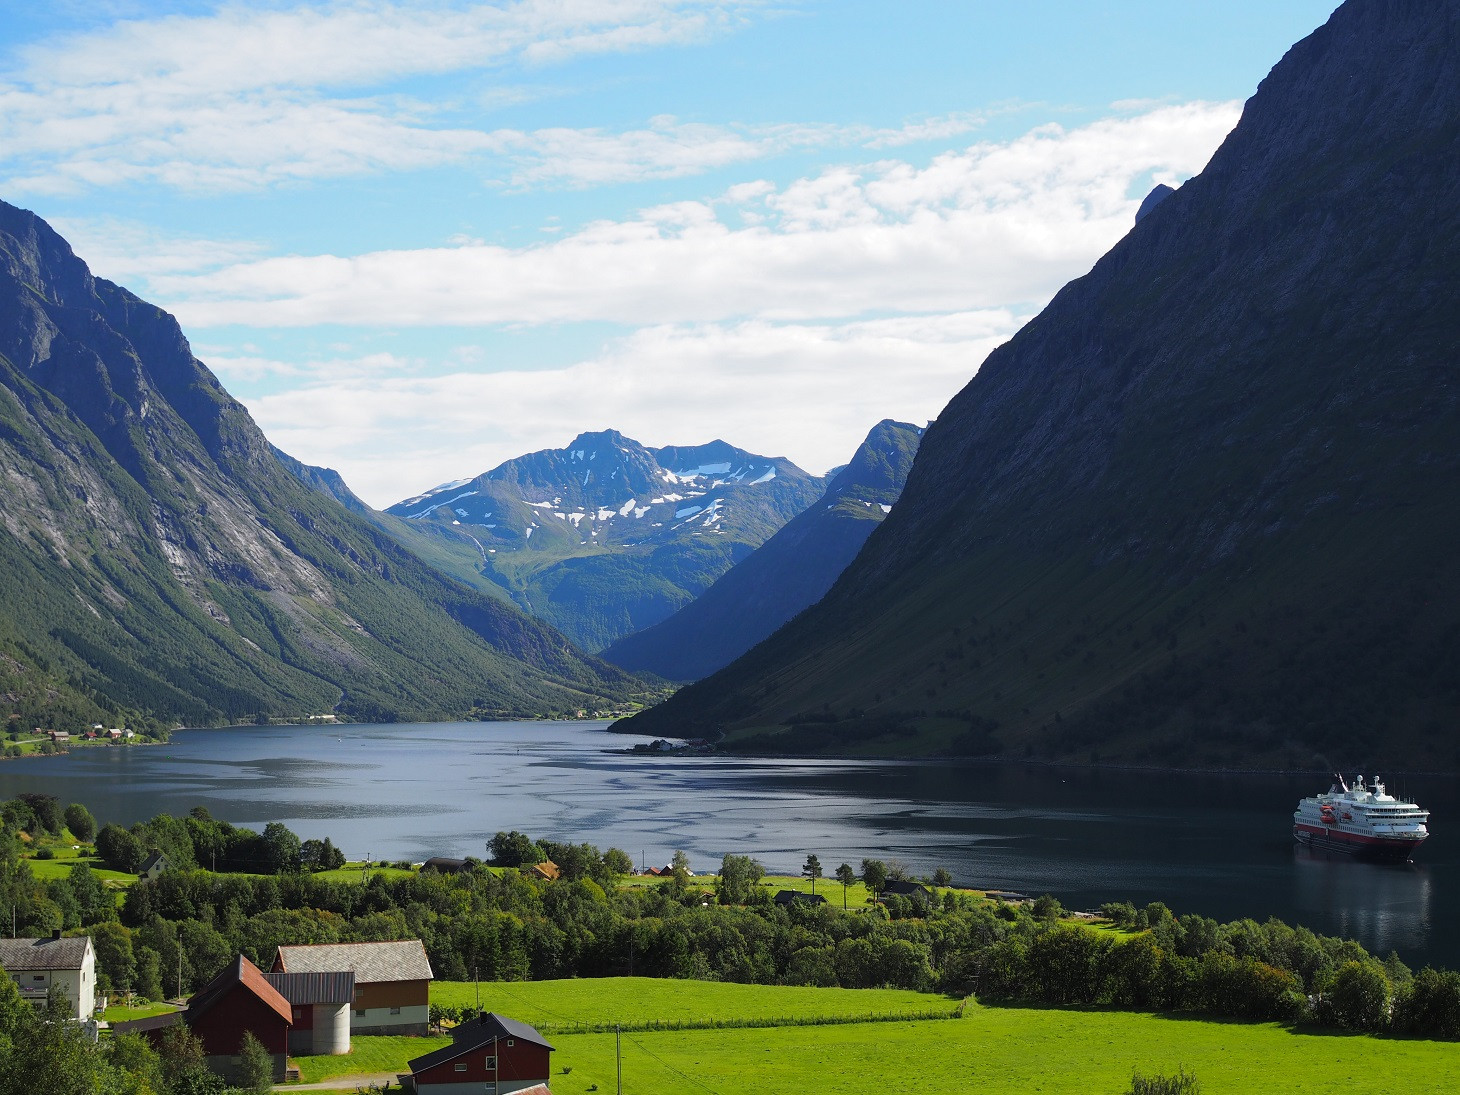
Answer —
(418, 239)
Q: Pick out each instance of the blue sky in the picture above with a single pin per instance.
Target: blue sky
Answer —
(417, 239)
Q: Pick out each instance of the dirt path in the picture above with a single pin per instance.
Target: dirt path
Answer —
(342, 1083)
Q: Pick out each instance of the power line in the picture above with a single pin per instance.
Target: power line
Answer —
(669, 1067)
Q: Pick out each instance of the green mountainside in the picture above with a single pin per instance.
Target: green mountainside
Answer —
(607, 537)
(157, 558)
(788, 573)
(1203, 509)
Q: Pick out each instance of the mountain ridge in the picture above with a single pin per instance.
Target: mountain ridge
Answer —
(1194, 513)
(160, 559)
(788, 573)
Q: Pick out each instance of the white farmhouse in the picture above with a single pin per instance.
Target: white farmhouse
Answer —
(67, 965)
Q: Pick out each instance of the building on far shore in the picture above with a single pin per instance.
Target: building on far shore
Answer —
(392, 981)
(68, 966)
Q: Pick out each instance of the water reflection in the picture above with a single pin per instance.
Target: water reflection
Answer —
(1220, 845)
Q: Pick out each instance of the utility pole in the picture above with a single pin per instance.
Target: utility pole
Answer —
(478, 985)
(179, 970)
(618, 1057)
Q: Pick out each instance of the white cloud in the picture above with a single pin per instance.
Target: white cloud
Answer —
(129, 251)
(755, 383)
(990, 226)
(244, 98)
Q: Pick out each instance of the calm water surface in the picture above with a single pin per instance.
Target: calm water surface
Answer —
(1215, 844)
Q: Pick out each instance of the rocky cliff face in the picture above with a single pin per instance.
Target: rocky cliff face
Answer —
(788, 573)
(1202, 509)
(159, 558)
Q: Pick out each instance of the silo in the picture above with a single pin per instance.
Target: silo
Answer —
(332, 1028)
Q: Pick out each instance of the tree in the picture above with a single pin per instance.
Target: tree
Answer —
(255, 1066)
(942, 878)
(679, 869)
(874, 876)
(281, 848)
(1358, 999)
(116, 964)
(616, 865)
(739, 876)
(80, 822)
(118, 849)
(46, 809)
(513, 849)
(812, 870)
(847, 877)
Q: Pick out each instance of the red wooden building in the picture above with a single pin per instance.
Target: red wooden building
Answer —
(488, 1055)
(236, 1002)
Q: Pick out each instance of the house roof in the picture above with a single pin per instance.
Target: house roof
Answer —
(788, 897)
(151, 861)
(547, 869)
(151, 1022)
(903, 886)
(314, 988)
(238, 972)
(444, 864)
(403, 960)
(44, 954)
(475, 1033)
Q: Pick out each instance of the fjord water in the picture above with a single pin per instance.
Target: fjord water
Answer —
(1217, 844)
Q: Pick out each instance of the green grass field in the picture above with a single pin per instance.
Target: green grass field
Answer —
(117, 1013)
(1004, 1050)
(650, 999)
(368, 1054)
(1022, 1050)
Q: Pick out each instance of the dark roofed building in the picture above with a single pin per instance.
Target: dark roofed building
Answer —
(320, 1005)
(905, 888)
(152, 866)
(488, 1053)
(392, 981)
(792, 897)
(444, 864)
(63, 965)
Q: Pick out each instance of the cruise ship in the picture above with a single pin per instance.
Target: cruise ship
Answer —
(1367, 822)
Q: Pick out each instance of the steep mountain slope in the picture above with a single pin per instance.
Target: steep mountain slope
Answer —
(1203, 509)
(789, 572)
(606, 537)
(157, 557)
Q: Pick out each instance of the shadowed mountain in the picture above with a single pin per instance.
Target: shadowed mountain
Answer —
(1203, 509)
(156, 556)
(788, 573)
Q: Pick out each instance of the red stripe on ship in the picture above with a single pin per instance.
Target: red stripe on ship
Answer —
(1356, 838)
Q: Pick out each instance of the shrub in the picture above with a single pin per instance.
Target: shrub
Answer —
(1183, 1083)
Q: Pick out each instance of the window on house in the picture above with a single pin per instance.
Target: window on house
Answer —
(491, 1064)
(510, 1042)
(39, 977)
(395, 1011)
(360, 1013)
(461, 1068)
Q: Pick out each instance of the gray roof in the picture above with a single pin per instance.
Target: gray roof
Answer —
(151, 861)
(44, 954)
(475, 1033)
(404, 960)
(314, 988)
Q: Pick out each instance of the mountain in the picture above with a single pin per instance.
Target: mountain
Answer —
(607, 537)
(789, 572)
(158, 558)
(1203, 509)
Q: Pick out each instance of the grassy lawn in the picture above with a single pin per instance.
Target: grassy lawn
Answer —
(1004, 1050)
(1052, 1051)
(120, 1014)
(368, 1054)
(641, 999)
(353, 872)
(60, 867)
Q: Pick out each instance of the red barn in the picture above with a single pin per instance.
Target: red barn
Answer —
(238, 1001)
(490, 1054)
